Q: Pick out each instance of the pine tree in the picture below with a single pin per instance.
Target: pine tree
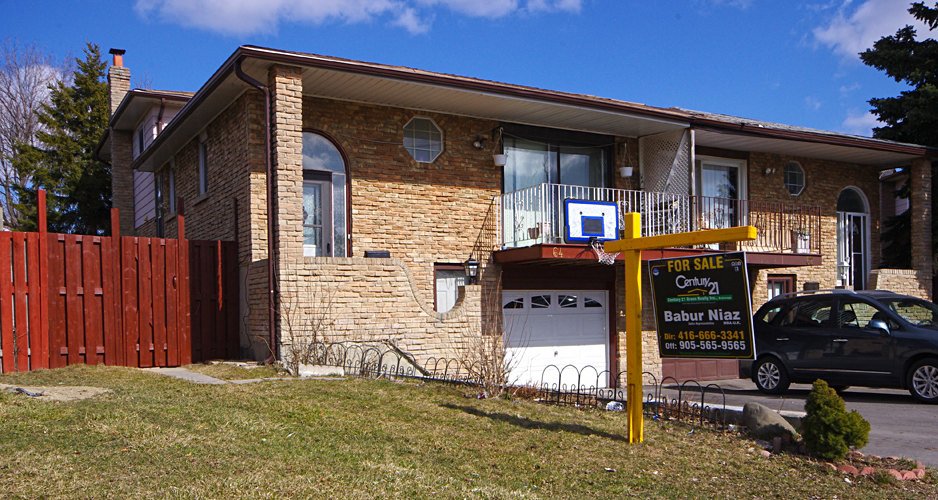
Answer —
(912, 116)
(77, 184)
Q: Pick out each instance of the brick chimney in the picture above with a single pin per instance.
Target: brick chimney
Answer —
(118, 78)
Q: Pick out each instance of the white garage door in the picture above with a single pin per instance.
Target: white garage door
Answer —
(547, 330)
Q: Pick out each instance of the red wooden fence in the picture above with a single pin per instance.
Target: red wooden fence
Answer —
(128, 301)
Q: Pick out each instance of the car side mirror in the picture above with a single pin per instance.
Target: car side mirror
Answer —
(878, 324)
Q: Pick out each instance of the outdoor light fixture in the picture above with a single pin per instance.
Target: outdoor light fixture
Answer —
(479, 143)
(768, 171)
(626, 172)
(472, 271)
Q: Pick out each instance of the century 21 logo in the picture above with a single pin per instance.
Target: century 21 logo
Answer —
(698, 286)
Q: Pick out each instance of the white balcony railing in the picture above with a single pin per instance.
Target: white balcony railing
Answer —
(535, 215)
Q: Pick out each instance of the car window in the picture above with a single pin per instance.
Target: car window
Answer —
(916, 311)
(771, 314)
(854, 313)
(809, 313)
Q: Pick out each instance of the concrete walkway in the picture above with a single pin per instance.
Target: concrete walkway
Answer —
(199, 378)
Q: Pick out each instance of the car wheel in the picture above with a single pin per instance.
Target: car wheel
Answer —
(923, 380)
(770, 376)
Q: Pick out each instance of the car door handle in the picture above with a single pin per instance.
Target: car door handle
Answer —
(840, 340)
(781, 338)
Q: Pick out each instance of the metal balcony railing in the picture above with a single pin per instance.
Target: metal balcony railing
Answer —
(535, 215)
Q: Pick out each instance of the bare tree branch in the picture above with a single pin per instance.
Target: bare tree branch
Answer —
(26, 74)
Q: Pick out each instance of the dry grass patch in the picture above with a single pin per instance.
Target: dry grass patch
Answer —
(236, 371)
(155, 436)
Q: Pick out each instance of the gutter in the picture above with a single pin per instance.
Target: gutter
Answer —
(271, 215)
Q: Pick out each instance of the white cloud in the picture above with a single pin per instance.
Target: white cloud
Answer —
(245, 17)
(848, 89)
(854, 28)
(812, 103)
(860, 123)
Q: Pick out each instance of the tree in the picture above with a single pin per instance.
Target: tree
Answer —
(26, 73)
(912, 116)
(78, 185)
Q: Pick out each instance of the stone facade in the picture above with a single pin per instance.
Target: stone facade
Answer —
(422, 213)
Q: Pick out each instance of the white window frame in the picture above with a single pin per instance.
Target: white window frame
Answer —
(411, 150)
(742, 174)
(804, 178)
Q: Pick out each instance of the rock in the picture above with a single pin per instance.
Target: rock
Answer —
(764, 423)
(867, 471)
(766, 453)
(848, 469)
(908, 475)
(831, 465)
(919, 473)
(894, 473)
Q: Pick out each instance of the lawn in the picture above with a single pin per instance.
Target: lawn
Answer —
(154, 436)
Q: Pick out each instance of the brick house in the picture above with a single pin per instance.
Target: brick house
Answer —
(365, 159)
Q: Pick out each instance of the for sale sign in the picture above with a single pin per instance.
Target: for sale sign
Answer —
(702, 306)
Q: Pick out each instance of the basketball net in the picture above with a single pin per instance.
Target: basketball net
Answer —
(604, 257)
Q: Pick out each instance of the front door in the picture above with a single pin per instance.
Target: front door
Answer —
(317, 218)
(851, 249)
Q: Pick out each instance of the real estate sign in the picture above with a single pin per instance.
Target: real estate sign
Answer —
(703, 307)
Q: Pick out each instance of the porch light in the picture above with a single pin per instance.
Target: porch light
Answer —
(626, 172)
(472, 271)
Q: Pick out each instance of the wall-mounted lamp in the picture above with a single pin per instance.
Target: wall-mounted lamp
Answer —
(472, 271)
(479, 143)
(626, 172)
(768, 171)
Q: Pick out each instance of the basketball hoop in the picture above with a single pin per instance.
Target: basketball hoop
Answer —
(604, 258)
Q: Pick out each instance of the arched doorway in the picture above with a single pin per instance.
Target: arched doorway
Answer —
(325, 198)
(853, 238)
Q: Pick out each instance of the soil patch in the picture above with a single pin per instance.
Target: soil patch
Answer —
(55, 393)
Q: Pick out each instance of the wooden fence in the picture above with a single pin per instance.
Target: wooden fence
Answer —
(115, 300)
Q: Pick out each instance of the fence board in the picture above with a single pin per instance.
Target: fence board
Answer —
(94, 315)
(145, 302)
(129, 300)
(20, 323)
(158, 252)
(172, 299)
(55, 300)
(34, 285)
(74, 305)
(112, 353)
(6, 302)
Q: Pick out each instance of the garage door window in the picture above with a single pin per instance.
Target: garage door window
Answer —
(588, 302)
(540, 302)
(567, 301)
(515, 304)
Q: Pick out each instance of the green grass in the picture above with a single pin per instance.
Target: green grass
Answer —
(155, 436)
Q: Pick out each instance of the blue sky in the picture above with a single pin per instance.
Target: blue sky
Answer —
(787, 61)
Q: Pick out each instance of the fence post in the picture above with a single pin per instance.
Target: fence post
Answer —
(117, 302)
(183, 314)
(44, 292)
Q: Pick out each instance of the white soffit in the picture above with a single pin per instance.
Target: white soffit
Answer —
(845, 154)
(384, 91)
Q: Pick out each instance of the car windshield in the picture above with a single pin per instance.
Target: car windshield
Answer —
(916, 311)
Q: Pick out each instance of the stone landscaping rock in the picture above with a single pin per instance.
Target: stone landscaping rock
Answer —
(908, 475)
(848, 469)
(867, 471)
(919, 473)
(894, 473)
(765, 423)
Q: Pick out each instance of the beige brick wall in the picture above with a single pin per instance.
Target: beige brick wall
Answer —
(904, 281)
(824, 180)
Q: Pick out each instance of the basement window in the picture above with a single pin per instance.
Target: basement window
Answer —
(423, 139)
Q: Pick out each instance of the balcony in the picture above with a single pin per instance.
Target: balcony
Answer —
(534, 216)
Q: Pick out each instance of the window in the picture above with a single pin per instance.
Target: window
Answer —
(540, 302)
(567, 301)
(203, 168)
(720, 183)
(531, 163)
(171, 187)
(517, 303)
(794, 178)
(812, 313)
(450, 283)
(588, 302)
(423, 139)
(325, 198)
(779, 284)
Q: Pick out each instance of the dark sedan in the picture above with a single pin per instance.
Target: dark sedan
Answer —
(847, 338)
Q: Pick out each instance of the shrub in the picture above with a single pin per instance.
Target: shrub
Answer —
(829, 430)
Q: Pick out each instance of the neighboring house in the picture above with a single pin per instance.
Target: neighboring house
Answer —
(365, 158)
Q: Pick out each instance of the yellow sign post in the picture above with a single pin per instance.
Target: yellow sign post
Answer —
(632, 245)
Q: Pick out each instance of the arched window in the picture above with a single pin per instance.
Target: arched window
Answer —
(853, 261)
(325, 198)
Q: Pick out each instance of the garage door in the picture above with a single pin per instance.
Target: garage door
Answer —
(547, 330)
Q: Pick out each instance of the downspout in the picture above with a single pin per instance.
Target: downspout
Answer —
(271, 217)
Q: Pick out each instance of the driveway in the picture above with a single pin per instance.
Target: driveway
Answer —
(900, 426)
